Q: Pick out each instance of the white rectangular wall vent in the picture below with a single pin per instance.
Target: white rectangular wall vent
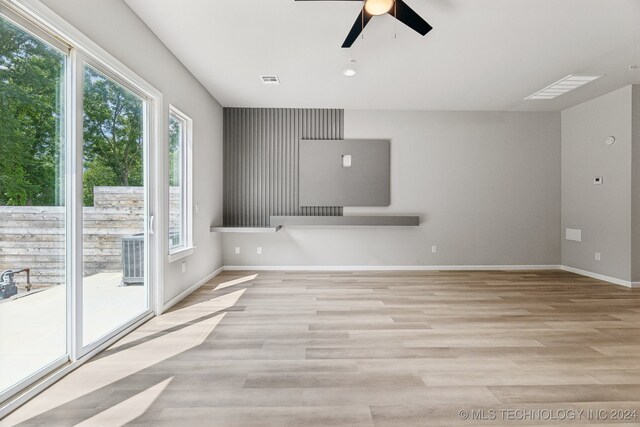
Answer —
(270, 80)
(573, 234)
(562, 86)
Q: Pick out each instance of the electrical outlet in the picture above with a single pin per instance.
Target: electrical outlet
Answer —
(434, 249)
(184, 267)
(597, 256)
(237, 250)
(259, 250)
(197, 208)
(598, 180)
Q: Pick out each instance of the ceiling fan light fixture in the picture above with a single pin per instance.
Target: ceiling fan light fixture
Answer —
(378, 7)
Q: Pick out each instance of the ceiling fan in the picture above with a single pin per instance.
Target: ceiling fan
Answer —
(396, 8)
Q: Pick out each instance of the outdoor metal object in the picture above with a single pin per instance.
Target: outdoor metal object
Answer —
(133, 259)
(8, 287)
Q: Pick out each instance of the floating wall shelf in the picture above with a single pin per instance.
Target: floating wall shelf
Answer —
(245, 229)
(345, 221)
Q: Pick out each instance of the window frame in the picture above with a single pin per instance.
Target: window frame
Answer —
(186, 247)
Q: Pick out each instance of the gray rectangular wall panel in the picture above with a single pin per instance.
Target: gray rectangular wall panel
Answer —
(261, 169)
(324, 181)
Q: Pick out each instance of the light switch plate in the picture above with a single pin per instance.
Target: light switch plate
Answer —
(598, 180)
(346, 160)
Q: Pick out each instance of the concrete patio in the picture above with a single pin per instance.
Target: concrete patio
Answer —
(33, 332)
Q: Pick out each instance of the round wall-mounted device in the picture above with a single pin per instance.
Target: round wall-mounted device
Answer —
(610, 140)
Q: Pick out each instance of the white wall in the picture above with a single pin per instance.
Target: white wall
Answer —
(113, 26)
(487, 186)
(635, 186)
(602, 212)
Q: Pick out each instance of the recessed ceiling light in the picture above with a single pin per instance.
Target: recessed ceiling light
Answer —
(270, 80)
(562, 86)
(349, 72)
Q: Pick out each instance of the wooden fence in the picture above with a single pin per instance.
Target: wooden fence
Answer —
(34, 237)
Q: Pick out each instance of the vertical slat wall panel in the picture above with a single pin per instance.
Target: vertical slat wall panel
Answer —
(261, 147)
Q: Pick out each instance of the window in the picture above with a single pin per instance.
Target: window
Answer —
(180, 186)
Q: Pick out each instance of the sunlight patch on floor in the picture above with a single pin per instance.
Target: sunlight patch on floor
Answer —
(107, 370)
(235, 282)
(182, 316)
(128, 410)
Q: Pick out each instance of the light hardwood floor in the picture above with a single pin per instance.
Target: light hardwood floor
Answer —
(360, 349)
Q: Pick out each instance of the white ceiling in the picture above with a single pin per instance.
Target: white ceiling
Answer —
(482, 54)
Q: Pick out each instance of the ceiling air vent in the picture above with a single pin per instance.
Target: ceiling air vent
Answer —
(562, 86)
(270, 80)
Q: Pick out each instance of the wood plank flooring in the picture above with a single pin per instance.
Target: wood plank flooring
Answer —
(362, 349)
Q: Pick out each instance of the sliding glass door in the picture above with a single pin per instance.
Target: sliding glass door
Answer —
(75, 197)
(114, 284)
(33, 226)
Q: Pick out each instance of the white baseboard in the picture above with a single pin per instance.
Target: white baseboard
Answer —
(191, 290)
(602, 277)
(388, 267)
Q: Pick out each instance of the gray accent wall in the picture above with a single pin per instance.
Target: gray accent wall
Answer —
(602, 212)
(261, 168)
(486, 186)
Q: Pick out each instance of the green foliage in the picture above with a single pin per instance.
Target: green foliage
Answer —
(113, 129)
(175, 133)
(31, 117)
(96, 174)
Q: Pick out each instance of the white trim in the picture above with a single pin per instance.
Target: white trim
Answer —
(12, 14)
(186, 180)
(182, 253)
(191, 289)
(75, 143)
(597, 276)
(30, 392)
(614, 280)
(389, 267)
(33, 378)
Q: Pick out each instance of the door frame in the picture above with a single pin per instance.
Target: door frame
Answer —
(40, 20)
(80, 60)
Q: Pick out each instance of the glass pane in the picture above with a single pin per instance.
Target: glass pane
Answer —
(176, 227)
(114, 285)
(32, 213)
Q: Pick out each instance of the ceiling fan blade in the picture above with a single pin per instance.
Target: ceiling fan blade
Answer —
(358, 26)
(403, 13)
